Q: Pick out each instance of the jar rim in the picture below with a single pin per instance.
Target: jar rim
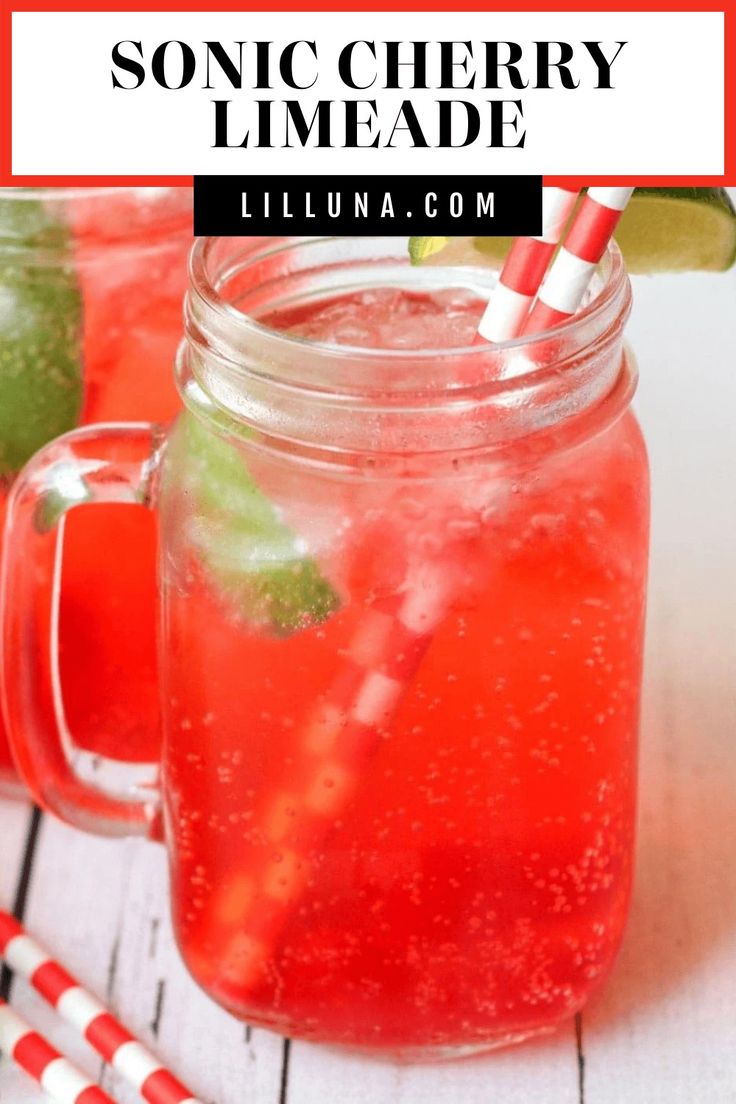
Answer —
(207, 291)
(339, 398)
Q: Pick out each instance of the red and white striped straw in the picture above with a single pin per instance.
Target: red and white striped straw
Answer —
(61, 1080)
(572, 270)
(91, 1019)
(343, 732)
(524, 269)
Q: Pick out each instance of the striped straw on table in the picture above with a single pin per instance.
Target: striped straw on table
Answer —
(572, 270)
(389, 646)
(62, 1081)
(84, 1012)
(524, 269)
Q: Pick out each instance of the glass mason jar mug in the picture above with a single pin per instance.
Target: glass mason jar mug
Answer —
(91, 281)
(402, 593)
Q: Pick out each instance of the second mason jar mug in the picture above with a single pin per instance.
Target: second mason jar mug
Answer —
(91, 283)
(401, 588)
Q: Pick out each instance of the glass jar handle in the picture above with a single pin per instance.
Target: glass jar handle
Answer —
(115, 463)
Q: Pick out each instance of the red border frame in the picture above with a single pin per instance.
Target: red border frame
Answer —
(7, 7)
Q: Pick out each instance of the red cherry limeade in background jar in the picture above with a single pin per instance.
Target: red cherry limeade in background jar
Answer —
(8, 777)
(125, 253)
(473, 889)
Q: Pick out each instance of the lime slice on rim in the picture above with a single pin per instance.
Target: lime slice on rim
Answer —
(662, 230)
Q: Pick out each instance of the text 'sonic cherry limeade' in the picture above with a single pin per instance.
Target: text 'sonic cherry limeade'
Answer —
(470, 883)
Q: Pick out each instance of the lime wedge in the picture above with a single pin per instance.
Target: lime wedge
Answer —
(422, 248)
(662, 230)
(40, 333)
(257, 563)
(678, 230)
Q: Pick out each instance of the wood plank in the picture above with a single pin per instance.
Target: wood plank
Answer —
(667, 1022)
(15, 826)
(14, 816)
(101, 906)
(75, 863)
(540, 1072)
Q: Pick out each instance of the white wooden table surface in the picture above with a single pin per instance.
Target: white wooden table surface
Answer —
(664, 1030)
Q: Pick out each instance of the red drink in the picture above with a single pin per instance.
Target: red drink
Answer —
(124, 253)
(473, 889)
(402, 584)
(8, 778)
